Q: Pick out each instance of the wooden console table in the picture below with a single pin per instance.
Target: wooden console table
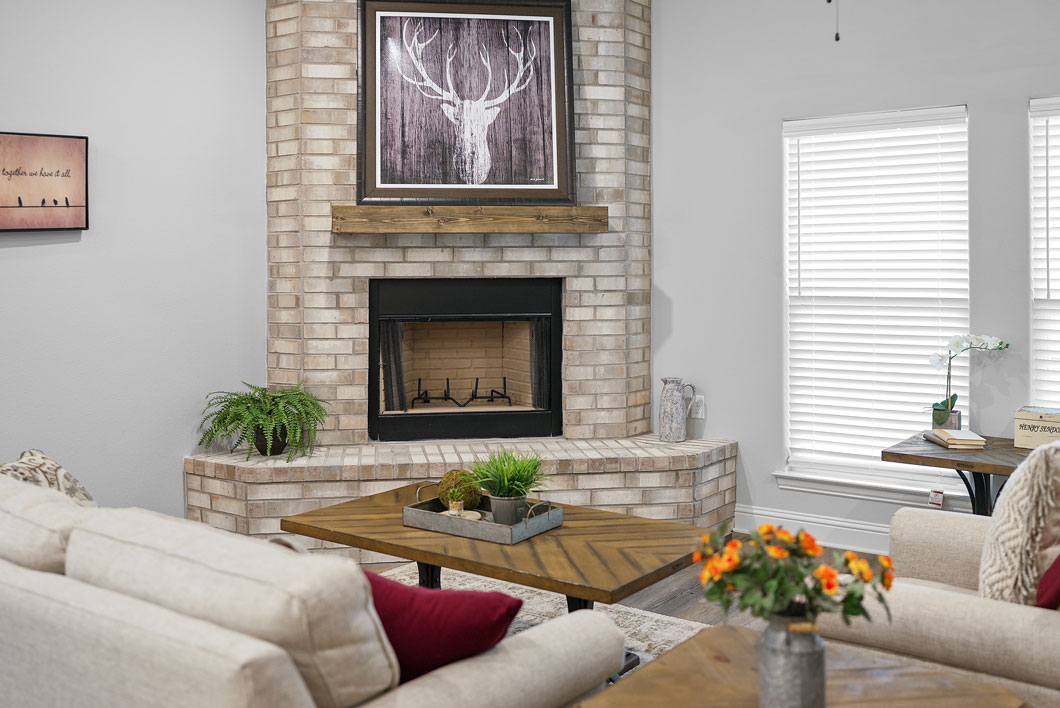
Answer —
(999, 458)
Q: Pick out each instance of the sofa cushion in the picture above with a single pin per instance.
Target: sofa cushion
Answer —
(1024, 535)
(316, 607)
(34, 467)
(65, 643)
(35, 523)
(460, 623)
(547, 666)
(1048, 595)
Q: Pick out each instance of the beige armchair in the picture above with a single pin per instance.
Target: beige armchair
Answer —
(939, 617)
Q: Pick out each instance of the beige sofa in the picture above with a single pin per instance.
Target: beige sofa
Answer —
(938, 616)
(120, 607)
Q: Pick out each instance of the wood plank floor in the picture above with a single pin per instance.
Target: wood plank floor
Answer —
(680, 595)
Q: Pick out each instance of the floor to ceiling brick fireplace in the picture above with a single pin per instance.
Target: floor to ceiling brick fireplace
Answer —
(318, 280)
(319, 304)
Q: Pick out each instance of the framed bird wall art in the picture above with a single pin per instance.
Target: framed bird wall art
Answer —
(43, 182)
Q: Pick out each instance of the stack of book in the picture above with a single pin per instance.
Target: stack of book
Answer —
(956, 439)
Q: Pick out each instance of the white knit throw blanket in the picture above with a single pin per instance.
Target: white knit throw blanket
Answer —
(1008, 570)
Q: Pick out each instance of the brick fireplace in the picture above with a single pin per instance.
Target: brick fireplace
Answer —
(318, 280)
(319, 294)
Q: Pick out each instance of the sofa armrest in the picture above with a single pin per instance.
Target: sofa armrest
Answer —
(941, 546)
(1003, 639)
(544, 667)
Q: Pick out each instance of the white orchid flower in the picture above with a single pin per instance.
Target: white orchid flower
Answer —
(976, 340)
(958, 342)
(939, 361)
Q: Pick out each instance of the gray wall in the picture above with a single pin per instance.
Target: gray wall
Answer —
(725, 74)
(111, 337)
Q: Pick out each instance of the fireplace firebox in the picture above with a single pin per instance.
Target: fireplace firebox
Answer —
(464, 358)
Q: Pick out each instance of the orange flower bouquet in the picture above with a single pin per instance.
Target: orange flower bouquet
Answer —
(780, 573)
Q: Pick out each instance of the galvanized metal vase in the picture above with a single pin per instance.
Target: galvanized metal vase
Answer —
(507, 510)
(790, 664)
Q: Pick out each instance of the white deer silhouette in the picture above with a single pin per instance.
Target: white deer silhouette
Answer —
(472, 118)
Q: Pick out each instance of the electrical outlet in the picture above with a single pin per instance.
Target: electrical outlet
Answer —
(699, 408)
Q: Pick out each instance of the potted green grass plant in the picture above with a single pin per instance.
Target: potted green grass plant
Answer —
(272, 420)
(507, 478)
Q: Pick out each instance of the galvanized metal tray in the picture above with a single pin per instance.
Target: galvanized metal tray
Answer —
(432, 515)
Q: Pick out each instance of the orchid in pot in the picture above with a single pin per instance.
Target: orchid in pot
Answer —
(780, 576)
(943, 414)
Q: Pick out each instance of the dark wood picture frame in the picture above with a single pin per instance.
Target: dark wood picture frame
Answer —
(17, 205)
(562, 187)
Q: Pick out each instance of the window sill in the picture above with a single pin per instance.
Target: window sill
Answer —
(901, 488)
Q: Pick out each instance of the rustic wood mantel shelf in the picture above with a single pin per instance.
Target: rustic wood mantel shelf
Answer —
(469, 219)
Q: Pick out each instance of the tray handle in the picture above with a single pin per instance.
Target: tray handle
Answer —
(530, 511)
(423, 486)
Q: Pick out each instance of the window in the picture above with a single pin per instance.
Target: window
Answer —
(1045, 251)
(877, 257)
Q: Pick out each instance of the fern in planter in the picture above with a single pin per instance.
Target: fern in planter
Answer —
(289, 417)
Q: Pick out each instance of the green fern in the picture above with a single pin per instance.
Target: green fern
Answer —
(293, 412)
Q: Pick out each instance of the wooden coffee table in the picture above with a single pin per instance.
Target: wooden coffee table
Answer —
(595, 556)
(719, 667)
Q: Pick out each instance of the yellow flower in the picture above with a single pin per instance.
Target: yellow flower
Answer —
(734, 545)
(777, 552)
(886, 563)
(712, 569)
(785, 536)
(861, 569)
(729, 560)
(888, 578)
(697, 557)
(808, 545)
(829, 578)
(766, 531)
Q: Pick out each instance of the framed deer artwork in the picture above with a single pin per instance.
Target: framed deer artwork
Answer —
(465, 103)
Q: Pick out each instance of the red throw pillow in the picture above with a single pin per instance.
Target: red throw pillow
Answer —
(432, 628)
(1049, 588)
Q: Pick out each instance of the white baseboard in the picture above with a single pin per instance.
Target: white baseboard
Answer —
(831, 531)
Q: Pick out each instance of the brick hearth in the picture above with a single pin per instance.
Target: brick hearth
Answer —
(692, 482)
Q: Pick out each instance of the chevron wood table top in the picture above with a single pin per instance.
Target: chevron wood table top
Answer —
(719, 667)
(595, 555)
(999, 457)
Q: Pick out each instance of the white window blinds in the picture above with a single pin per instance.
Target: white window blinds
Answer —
(1045, 251)
(877, 256)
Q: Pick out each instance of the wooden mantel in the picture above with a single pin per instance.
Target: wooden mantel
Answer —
(469, 219)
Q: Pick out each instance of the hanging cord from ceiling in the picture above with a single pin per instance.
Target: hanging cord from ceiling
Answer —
(836, 18)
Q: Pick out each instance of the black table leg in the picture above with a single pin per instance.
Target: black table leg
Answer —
(978, 492)
(430, 575)
(576, 603)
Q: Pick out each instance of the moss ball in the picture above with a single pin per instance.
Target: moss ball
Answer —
(463, 480)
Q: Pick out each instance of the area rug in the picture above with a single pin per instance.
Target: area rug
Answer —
(647, 634)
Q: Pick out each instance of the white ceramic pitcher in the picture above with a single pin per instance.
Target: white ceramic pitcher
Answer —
(673, 412)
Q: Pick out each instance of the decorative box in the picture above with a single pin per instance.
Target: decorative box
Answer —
(1036, 426)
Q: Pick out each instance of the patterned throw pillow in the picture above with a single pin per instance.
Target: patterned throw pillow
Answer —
(34, 467)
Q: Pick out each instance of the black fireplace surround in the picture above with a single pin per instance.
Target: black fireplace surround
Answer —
(393, 302)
